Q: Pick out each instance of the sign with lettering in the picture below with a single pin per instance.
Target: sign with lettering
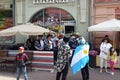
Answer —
(51, 1)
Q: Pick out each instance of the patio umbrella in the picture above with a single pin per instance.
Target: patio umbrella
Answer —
(110, 25)
(25, 29)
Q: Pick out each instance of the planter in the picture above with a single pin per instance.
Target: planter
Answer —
(92, 61)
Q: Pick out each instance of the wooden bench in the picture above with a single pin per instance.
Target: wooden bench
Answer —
(30, 57)
(28, 53)
(3, 53)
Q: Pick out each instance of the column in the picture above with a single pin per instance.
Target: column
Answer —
(19, 12)
(83, 11)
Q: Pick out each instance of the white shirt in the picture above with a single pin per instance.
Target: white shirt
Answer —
(42, 44)
(50, 42)
(104, 47)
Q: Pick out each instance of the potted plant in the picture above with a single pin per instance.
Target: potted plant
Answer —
(92, 55)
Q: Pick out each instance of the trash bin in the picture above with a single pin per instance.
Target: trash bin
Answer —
(92, 56)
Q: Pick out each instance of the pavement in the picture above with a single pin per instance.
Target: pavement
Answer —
(47, 75)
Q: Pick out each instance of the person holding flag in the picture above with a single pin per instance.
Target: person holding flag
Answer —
(80, 59)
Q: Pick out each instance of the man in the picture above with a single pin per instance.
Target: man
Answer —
(81, 58)
(73, 43)
(48, 43)
(30, 43)
(21, 60)
(62, 63)
(39, 44)
(84, 70)
(55, 46)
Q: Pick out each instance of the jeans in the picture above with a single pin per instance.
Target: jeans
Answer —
(20, 70)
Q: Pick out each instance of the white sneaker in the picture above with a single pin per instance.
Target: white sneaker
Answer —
(52, 71)
(112, 73)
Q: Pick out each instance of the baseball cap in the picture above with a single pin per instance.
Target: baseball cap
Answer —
(21, 48)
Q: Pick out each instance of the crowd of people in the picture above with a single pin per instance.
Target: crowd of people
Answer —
(50, 42)
(64, 48)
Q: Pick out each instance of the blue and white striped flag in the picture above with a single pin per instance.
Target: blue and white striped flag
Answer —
(80, 58)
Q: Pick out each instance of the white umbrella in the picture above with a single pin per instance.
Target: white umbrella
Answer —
(110, 25)
(24, 29)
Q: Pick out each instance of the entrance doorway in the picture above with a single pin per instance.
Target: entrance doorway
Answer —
(69, 29)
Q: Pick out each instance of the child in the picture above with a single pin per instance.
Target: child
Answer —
(112, 59)
(21, 59)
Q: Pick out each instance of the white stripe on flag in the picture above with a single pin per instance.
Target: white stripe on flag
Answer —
(79, 55)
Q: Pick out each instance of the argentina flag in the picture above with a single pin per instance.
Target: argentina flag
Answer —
(80, 58)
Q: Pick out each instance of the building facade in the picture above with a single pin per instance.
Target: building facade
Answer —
(63, 16)
(105, 10)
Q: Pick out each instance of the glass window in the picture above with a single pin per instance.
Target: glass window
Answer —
(117, 13)
(6, 22)
(52, 18)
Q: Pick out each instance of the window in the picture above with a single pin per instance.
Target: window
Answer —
(69, 29)
(6, 22)
(52, 18)
(117, 13)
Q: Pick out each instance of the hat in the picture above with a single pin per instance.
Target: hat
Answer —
(60, 35)
(82, 40)
(77, 33)
(21, 48)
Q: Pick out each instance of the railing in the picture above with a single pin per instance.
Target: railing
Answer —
(40, 60)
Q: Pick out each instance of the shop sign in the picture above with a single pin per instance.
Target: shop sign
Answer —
(50, 1)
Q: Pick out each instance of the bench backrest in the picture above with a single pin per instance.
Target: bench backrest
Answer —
(3, 53)
(29, 54)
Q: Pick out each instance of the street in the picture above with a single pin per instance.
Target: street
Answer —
(46, 75)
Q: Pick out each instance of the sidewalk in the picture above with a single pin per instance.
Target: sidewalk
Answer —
(46, 75)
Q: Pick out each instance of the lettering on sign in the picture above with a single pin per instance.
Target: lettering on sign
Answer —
(51, 1)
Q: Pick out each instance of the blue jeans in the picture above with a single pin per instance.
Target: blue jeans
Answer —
(20, 70)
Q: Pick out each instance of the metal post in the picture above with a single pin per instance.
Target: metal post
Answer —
(13, 11)
(13, 16)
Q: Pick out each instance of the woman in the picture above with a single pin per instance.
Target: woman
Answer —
(104, 51)
(30, 43)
